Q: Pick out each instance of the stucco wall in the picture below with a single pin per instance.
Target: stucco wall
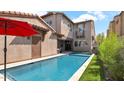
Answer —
(59, 23)
(52, 19)
(20, 48)
(65, 30)
(86, 39)
(117, 24)
(93, 36)
(122, 23)
(49, 45)
(56, 21)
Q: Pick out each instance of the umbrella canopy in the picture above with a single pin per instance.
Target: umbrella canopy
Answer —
(14, 28)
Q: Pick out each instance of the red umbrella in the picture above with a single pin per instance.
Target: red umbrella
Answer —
(14, 28)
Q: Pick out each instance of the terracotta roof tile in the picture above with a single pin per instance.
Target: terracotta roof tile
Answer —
(20, 14)
(39, 28)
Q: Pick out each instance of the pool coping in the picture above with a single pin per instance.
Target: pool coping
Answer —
(76, 76)
(30, 61)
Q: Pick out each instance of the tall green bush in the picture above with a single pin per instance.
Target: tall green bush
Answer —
(100, 37)
(117, 69)
(111, 53)
(109, 48)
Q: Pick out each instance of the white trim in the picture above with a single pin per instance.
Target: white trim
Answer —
(30, 61)
(76, 76)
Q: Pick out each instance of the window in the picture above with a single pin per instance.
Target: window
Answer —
(76, 33)
(83, 34)
(79, 43)
(80, 30)
(86, 43)
(70, 29)
(69, 25)
(76, 43)
(49, 22)
(92, 38)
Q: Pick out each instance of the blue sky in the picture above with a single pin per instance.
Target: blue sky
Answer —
(101, 18)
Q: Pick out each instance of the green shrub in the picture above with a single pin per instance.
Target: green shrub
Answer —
(109, 48)
(99, 39)
(111, 53)
(117, 69)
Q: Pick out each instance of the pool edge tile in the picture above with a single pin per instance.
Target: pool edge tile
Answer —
(76, 76)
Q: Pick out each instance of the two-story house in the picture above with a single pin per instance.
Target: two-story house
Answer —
(72, 36)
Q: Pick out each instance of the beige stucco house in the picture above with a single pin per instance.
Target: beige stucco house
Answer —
(117, 25)
(23, 48)
(74, 36)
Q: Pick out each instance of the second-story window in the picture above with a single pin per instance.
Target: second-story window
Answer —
(80, 30)
(83, 34)
(69, 25)
(49, 22)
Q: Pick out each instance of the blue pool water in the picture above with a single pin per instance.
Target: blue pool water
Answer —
(55, 69)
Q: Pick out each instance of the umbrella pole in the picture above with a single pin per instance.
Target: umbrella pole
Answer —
(5, 51)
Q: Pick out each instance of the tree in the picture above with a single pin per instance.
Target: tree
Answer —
(100, 37)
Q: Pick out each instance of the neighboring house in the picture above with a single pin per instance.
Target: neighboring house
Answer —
(117, 25)
(23, 48)
(122, 23)
(73, 36)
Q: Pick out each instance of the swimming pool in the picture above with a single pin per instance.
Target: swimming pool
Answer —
(54, 69)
